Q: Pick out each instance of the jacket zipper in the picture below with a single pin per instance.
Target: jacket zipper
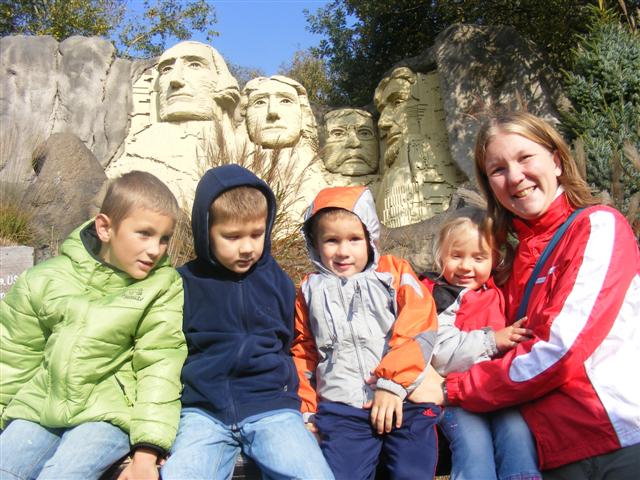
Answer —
(353, 337)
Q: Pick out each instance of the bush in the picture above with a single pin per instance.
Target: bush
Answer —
(15, 219)
(604, 88)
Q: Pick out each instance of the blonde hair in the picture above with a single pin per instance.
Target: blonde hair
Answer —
(137, 189)
(465, 219)
(239, 204)
(544, 134)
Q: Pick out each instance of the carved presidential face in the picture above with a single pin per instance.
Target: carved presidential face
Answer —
(392, 124)
(351, 146)
(274, 116)
(187, 81)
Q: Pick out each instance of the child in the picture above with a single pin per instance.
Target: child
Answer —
(361, 320)
(239, 379)
(471, 321)
(92, 345)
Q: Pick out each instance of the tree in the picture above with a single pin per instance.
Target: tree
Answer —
(364, 38)
(244, 74)
(134, 33)
(604, 87)
(311, 72)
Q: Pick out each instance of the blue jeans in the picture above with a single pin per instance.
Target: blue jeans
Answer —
(496, 445)
(277, 441)
(30, 451)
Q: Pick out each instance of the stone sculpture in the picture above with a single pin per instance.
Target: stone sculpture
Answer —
(183, 118)
(277, 113)
(281, 128)
(351, 142)
(418, 175)
(194, 83)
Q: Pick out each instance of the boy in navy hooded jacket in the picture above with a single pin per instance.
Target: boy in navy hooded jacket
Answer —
(240, 384)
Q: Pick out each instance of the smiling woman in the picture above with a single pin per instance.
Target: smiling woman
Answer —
(571, 378)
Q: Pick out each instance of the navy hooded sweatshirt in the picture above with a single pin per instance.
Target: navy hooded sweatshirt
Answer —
(238, 326)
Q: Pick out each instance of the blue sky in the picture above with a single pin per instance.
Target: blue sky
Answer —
(262, 33)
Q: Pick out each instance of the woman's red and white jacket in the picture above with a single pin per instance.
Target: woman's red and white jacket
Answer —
(576, 380)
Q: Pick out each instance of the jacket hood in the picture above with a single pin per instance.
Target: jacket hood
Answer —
(212, 184)
(357, 200)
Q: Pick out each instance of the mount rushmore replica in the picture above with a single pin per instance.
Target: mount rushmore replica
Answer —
(73, 115)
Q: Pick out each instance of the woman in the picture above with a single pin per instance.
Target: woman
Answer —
(576, 381)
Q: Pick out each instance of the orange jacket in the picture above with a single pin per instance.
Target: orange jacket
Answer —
(379, 322)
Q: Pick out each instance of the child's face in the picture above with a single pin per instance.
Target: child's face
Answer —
(137, 244)
(342, 244)
(238, 245)
(467, 259)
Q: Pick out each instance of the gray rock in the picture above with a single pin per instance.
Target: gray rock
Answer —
(76, 86)
(68, 178)
(484, 69)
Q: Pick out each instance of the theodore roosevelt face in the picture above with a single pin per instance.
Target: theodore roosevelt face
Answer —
(351, 146)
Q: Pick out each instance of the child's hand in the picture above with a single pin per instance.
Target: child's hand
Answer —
(142, 466)
(385, 405)
(510, 336)
(313, 429)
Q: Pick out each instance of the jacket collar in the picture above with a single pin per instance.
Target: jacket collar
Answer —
(545, 225)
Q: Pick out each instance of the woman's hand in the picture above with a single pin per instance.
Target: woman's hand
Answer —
(429, 390)
(509, 337)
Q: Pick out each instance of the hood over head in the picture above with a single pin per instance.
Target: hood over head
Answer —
(357, 200)
(212, 184)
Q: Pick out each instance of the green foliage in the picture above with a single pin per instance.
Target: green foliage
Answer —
(604, 87)
(135, 33)
(364, 38)
(60, 18)
(244, 74)
(310, 71)
(147, 34)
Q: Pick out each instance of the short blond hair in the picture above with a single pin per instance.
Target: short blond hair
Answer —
(137, 189)
(465, 219)
(238, 204)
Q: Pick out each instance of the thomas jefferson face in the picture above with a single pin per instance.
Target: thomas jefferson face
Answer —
(187, 80)
(274, 116)
(351, 146)
(392, 124)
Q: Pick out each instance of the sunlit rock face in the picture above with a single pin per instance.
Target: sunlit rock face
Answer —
(351, 142)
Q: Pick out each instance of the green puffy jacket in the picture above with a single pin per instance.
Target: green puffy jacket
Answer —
(82, 342)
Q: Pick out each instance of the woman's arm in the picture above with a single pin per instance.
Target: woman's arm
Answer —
(591, 282)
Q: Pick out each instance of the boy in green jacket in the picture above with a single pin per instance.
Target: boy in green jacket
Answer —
(91, 345)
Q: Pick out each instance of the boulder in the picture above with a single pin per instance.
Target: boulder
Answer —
(68, 176)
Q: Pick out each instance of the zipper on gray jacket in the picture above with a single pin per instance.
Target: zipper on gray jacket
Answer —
(353, 337)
